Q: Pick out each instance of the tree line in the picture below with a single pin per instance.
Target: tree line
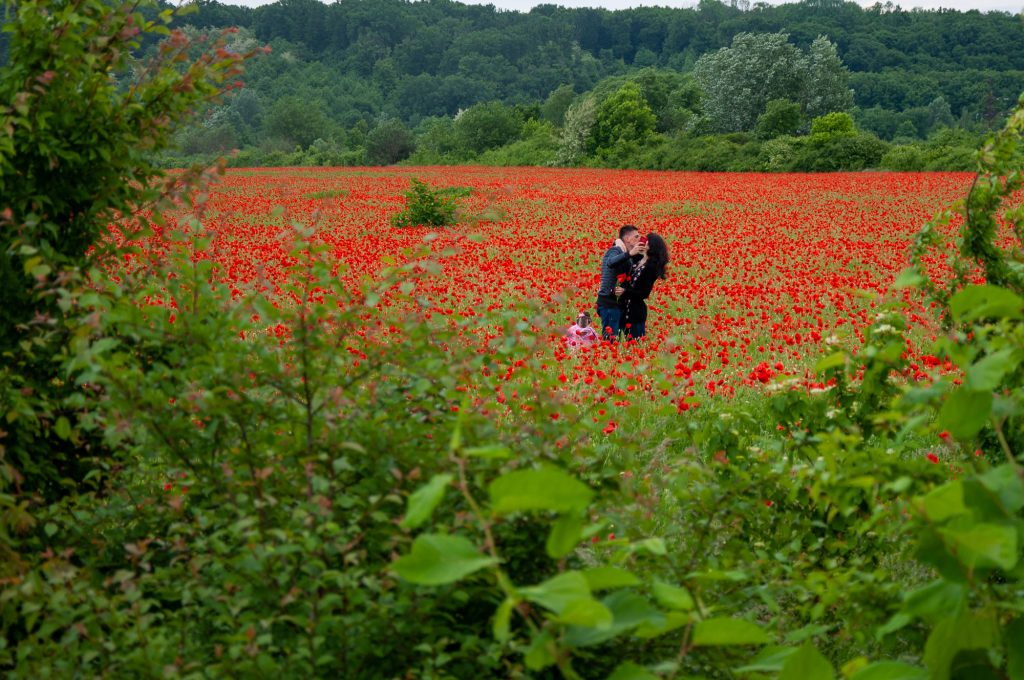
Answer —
(381, 81)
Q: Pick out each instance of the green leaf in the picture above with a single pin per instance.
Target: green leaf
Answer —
(768, 660)
(102, 345)
(455, 443)
(834, 360)
(40, 271)
(734, 576)
(541, 652)
(631, 671)
(724, 630)
(589, 613)
(898, 621)
(341, 464)
(489, 451)
(936, 600)
(976, 302)
(546, 488)
(606, 578)
(629, 610)
(1005, 407)
(807, 664)
(899, 485)
(965, 412)
(594, 529)
(565, 535)
(671, 597)
(1013, 642)
(438, 559)
(952, 634)
(62, 428)
(807, 632)
(983, 545)
(1006, 483)
(558, 592)
(503, 620)
(654, 546)
(890, 670)
(908, 278)
(423, 501)
(985, 374)
(672, 621)
(944, 502)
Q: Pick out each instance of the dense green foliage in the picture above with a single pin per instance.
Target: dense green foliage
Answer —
(286, 494)
(739, 81)
(623, 122)
(780, 117)
(76, 153)
(464, 54)
(340, 70)
(426, 207)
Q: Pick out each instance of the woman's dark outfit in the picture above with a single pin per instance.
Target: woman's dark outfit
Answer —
(634, 300)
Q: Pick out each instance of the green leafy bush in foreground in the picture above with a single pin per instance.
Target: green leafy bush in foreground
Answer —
(328, 488)
(70, 164)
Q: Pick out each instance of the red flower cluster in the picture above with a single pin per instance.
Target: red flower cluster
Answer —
(762, 373)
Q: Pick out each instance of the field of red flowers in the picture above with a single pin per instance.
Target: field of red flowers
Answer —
(767, 271)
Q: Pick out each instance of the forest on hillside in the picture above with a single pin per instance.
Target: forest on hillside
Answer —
(382, 81)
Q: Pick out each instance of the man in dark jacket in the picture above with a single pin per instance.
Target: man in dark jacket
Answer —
(615, 263)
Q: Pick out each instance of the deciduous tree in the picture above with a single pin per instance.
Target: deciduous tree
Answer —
(557, 103)
(780, 117)
(579, 120)
(828, 80)
(487, 126)
(297, 121)
(740, 80)
(389, 142)
(623, 120)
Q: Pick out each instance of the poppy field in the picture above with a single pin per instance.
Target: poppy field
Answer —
(768, 273)
(253, 428)
(357, 450)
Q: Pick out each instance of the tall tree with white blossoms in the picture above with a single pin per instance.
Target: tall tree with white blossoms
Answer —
(739, 81)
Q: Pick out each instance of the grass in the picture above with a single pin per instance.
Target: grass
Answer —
(326, 193)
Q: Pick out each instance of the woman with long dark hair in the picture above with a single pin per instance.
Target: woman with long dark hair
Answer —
(651, 267)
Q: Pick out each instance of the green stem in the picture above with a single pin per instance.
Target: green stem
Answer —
(492, 550)
(1005, 445)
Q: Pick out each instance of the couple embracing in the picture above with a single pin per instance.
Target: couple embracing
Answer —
(628, 272)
